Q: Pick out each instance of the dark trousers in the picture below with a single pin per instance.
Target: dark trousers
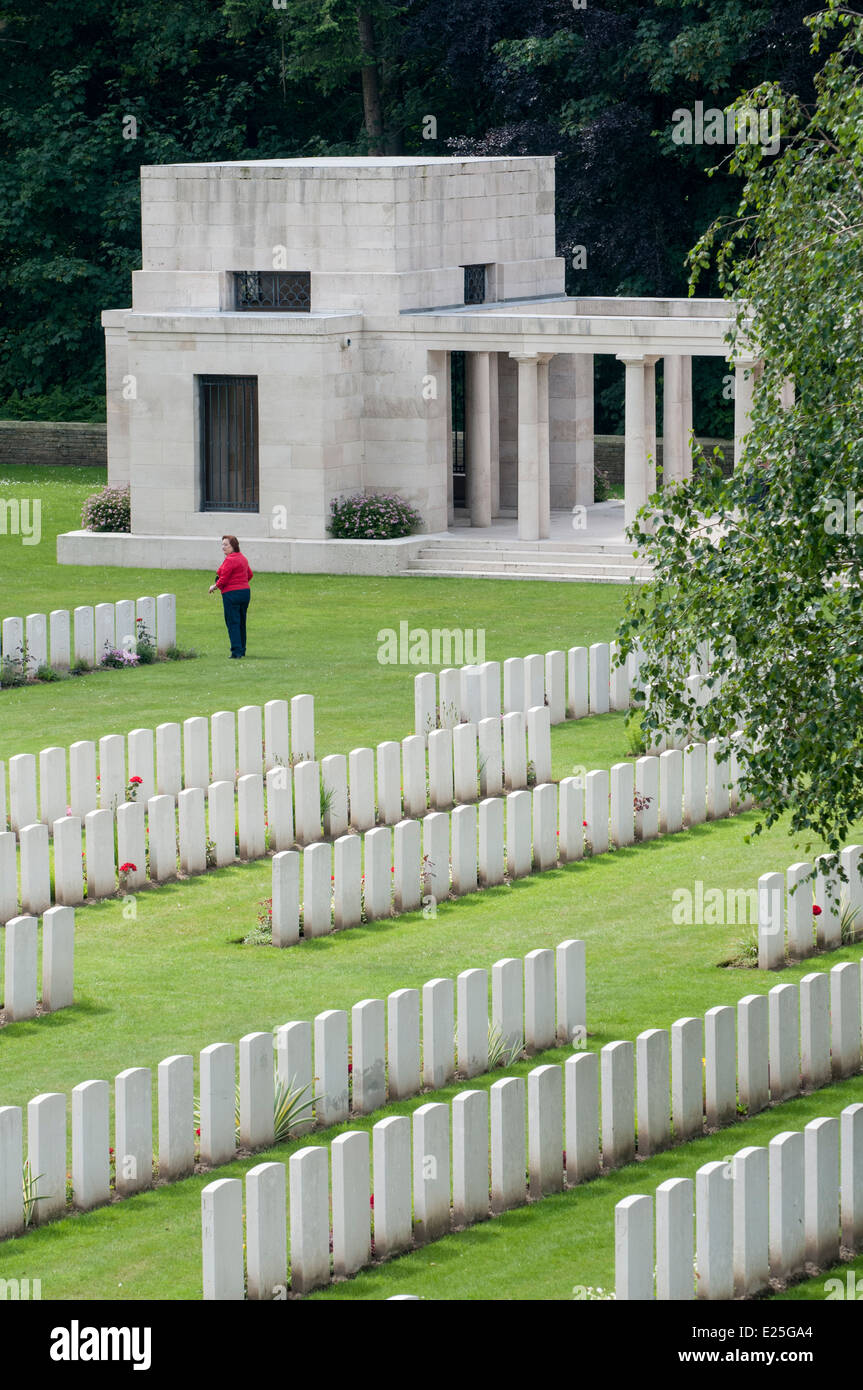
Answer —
(236, 606)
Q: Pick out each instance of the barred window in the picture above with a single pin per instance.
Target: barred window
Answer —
(474, 284)
(229, 443)
(273, 289)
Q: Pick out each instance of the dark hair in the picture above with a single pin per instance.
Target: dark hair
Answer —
(235, 544)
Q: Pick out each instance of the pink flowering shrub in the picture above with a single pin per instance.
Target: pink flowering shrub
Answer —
(107, 510)
(378, 518)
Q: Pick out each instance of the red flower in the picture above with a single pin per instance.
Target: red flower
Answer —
(128, 868)
(816, 910)
(584, 822)
(350, 1067)
(138, 780)
(198, 1132)
(372, 1200)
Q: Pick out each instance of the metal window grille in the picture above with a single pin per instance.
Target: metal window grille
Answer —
(289, 290)
(457, 371)
(474, 284)
(229, 443)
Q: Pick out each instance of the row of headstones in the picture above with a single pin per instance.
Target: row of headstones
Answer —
(396, 1048)
(55, 640)
(764, 1215)
(384, 784)
(203, 751)
(197, 831)
(563, 1141)
(422, 861)
(572, 684)
(20, 963)
(788, 899)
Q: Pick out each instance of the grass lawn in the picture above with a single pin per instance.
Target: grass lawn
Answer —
(175, 978)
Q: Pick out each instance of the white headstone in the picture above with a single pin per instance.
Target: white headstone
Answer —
(368, 1056)
(131, 844)
(534, 681)
(571, 816)
(20, 979)
(490, 686)
(280, 809)
(68, 865)
(101, 873)
(59, 632)
(815, 1029)
(490, 757)
(514, 751)
(176, 1092)
(449, 685)
(196, 753)
(223, 736)
(508, 1147)
(166, 622)
(464, 742)
(470, 694)
(303, 728)
(58, 958)
(470, 1157)
(112, 772)
(425, 704)
(414, 775)
(675, 1211)
(687, 1077)
(507, 1000)
(277, 742)
(441, 783)
(581, 1135)
(307, 794)
(192, 818)
(539, 742)
(633, 1248)
(145, 619)
(36, 630)
(821, 1191)
(845, 1018)
(11, 1166)
(472, 989)
(351, 1207)
(651, 1070)
(714, 1240)
(786, 1197)
(52, 785)
(331, 1067)
(391, 1147)
(361, 766)
(828, 928)
(851, 1176)
(403, 1043)
(162, 825)
(13, 639)
(141, 763)
(348, 881)
(46, 1150)
(438, 1024)
(622, 804)
(256, 1090)
(377, 847)
(783, 1003)
(220, 811)
(218, 1104)
(618, 1104)
(85, 642)
(555, 685)
(618, 680)
(539, 1021)
(251, 816)
(752, 1052)
(222, 1241)
(266, 1232)
(9, 873)
(90, 1143)
(599, 658)
(169, 764)
(571, 987)
(36, 868)
(104, 630)
(545, 826)
(294, 1067)
(545, 1130)
(670, 791)
(750, 1222)
(334, 794)
(596, 792)
(799, 907)
(317, 890)
(771, 921)
(22, 791)
(431, 1172)
(133, 1130)
(464, 850)
(436, 856)
(309, 1183)
(518, 834)
(646, 798)
(407, 860)
(577, 702)
(720, 1066)
(491, 857)
(513, 685)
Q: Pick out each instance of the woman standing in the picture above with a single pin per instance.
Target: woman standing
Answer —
(232, 581)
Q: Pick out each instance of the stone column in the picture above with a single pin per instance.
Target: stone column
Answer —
(584, 459)
(672, 422)
(478, 430)
(650, 421)
(528, 446)
(635, 457)
(686, 412)
(544, 444)
(494, 431)
(450, 507)
(745, 375)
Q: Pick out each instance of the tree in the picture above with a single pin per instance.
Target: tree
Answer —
(758, 563)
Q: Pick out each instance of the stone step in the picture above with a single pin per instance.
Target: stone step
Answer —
(556, 547)
(459, 555)
(590, 576)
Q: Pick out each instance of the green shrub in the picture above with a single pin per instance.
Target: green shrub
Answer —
(47, 673)
(600, 485)
(108, 510)
(60, 403)
(378, 518)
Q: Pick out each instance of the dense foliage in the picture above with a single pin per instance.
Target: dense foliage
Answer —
(109, 509)
(768, 564)
(90, 93)
(381, 517)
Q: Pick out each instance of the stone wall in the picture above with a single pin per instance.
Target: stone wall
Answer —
(33, 442)
(608, 454)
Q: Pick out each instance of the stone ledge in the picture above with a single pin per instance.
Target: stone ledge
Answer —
(269, 556)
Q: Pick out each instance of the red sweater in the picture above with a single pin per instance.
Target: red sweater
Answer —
(234, 573)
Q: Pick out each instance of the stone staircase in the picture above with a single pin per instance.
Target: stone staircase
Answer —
(598, 562)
